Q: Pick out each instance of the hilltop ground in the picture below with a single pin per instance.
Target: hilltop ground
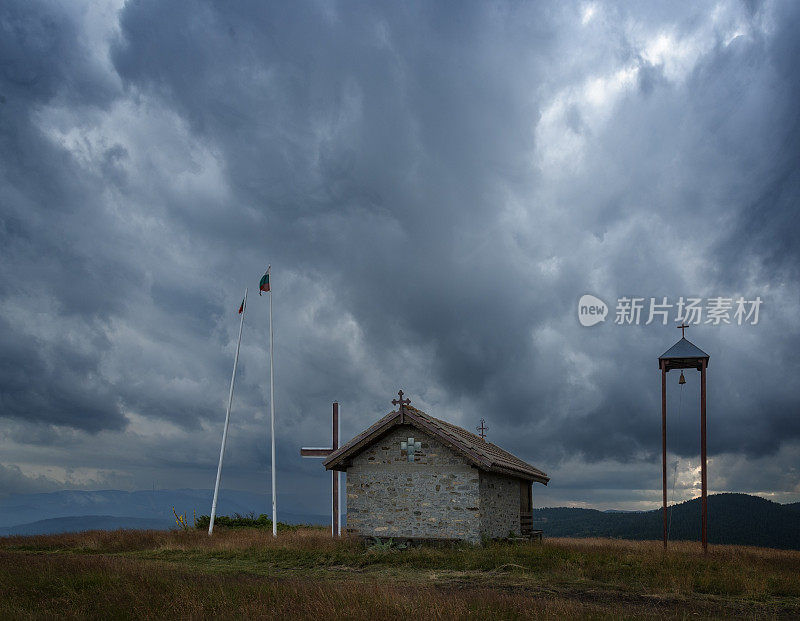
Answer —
(305, 574)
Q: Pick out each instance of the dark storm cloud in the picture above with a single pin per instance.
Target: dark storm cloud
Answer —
(402, 135)
(52, 381)
(404, 138)
(56, 383)
(753, 87)
(70, 261)
(435, 185)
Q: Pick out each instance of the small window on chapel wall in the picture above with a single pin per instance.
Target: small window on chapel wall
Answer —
(409, 447)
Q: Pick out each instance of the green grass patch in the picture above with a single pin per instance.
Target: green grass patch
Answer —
(249, 520)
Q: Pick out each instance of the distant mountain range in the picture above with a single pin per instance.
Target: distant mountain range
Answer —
(110, 509)
(732, 518)
(738, 519)
(85, 522)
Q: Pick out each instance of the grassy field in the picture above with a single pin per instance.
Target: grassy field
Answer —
(306, 574)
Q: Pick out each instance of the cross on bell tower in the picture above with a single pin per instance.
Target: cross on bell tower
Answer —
(482, 429)
(682, 328)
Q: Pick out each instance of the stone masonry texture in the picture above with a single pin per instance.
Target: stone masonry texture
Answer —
(499, 505)
(438, 495)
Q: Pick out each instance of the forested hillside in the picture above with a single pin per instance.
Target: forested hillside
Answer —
(732, 519)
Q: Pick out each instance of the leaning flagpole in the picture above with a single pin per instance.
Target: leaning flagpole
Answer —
(272, 413)
(227, 418)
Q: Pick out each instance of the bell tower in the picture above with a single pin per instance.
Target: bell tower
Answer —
(685, 355)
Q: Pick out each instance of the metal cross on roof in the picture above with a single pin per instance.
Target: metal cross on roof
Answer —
(401, 402)
(682, 328)
(482, 429)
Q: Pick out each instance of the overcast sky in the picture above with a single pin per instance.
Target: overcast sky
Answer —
(435, 185)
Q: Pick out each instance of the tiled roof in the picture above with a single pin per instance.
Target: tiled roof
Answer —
(684, 349)
(480, 453)
(683, 355)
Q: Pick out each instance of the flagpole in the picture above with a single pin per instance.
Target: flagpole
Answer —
(339, 485)
(272, 415)
(227, 418)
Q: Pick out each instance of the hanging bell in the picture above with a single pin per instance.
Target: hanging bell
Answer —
(682, 381)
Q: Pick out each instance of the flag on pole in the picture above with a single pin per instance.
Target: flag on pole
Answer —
(241, 307)
(264, 284)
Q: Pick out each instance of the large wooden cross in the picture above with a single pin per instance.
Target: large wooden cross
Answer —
(336, 506)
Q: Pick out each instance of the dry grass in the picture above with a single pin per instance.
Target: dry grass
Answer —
(48, 586)
(305, 573)
(137, 540)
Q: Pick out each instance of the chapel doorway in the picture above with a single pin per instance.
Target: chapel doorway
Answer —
(525, 508)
